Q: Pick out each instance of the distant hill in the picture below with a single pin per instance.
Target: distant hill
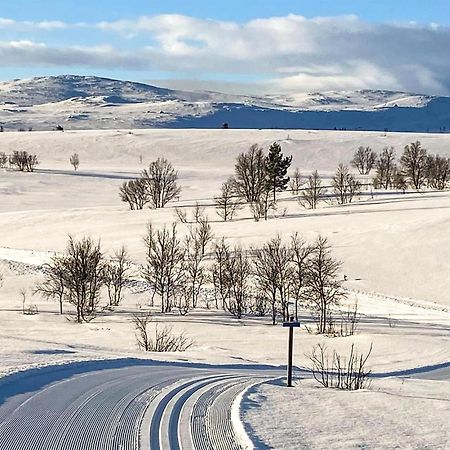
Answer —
(87, 102)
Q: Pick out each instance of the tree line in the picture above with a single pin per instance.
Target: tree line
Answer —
(259, 177)
(416, 169)
(19, 160)
(184, 270)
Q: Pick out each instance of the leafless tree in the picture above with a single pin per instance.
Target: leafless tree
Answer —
(345, 185)
(335, 371)
(3, 159)
(227, 203)
(181, 214)
(135, 193)
(296, 182)
(399, 181)
(23, 161)
(203, 234)
(219, 273)
(163, 270)
(195, 272)
(272, 271)
(324, 288)
(386, 169)
(364, 160)
(84, 275)
(414, 164)
(75, 161)
(161, 179)
(313, 191)
(260, 209)
(300, 255)
(198, 213)
(54, 285)
(250, 180)
(239, 273)
(23, 294)
(437, 172)
(231, 274)
(78, 276)
(116, 272)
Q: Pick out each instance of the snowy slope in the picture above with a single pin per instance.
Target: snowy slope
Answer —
(395, 250)
(84, 102)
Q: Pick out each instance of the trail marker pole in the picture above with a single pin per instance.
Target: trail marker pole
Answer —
(291, 325)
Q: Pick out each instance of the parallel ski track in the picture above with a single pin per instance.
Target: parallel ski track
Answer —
(183, 408)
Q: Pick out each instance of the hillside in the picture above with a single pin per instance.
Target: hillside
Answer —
(84, 102)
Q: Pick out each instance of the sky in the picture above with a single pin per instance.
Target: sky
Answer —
(238, 46)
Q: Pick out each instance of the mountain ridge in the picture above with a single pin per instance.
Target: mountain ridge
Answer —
(91, 102)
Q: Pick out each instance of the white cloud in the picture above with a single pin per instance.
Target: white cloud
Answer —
(293, 53)
(47, 25)
(28, 53)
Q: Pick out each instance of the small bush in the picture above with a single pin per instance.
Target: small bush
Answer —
(23, 161)
(162, 340)
(335, 371)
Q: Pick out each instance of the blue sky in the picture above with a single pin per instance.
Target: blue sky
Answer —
(240, 10)
(236, 46)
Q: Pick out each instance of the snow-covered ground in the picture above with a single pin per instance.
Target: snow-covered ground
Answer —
(87, 102)
(392, 414)
(395, 251)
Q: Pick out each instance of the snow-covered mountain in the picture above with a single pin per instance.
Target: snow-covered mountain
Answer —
(86, 102)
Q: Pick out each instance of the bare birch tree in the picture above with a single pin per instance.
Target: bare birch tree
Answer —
(414, 164)
(163, 270)
(296, 182)
(74, 161)
(227, 203)
(250, 180)
(386, 169)
(300, 256)
(364, 160)
(272, 274)
(323, 289)
(313, 191)
(345, 185)
(134, 192)
(116, 272)
(161, 179)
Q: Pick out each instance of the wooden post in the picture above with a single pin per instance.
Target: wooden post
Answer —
(291, 325)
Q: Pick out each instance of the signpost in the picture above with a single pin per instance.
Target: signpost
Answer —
(291, 326)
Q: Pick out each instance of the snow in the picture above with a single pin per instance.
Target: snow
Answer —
(392, 414)
(395, 251)
(78, 102)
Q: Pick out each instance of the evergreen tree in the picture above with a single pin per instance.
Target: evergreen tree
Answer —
(276, 167)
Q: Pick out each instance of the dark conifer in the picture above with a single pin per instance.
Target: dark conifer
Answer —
(277, 166)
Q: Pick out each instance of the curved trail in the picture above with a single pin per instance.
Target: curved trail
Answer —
(134, 407)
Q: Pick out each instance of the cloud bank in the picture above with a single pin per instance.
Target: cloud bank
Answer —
(291, 53)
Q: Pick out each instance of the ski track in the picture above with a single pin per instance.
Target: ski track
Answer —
(135, 407)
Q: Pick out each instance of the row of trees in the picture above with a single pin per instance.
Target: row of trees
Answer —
(259, 177)
(21, 160)
(416, 168)
(182, 270)
(25, 162)
(261, 280)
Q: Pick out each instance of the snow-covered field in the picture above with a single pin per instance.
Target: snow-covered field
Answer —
(395, 251)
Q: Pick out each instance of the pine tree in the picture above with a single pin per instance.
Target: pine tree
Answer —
(277, 166)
